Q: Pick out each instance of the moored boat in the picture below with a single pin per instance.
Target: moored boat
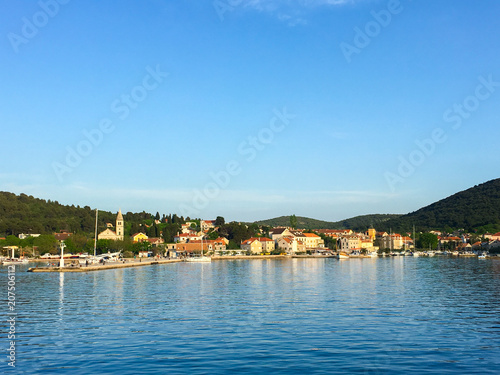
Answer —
(202, 258)
(8, 262)
(199, 259)
(342, 255)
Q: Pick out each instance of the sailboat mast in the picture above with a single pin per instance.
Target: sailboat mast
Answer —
(414, 247)
(95, 238)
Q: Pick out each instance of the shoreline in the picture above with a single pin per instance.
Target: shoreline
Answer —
(131, 262)
(235, 257)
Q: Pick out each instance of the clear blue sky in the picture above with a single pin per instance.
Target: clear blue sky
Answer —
(174, 91)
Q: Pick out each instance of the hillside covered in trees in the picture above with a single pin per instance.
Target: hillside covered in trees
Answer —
(471, 209)
(26, 214)
(356, 223)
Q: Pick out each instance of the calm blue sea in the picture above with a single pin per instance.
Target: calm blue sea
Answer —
(316, 316)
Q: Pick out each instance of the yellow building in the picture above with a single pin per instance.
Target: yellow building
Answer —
(253, 245)
(139, 237)
(372, 233)
(313, 241)
(268, 245)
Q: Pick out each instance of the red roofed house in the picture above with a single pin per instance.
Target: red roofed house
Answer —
(155, 241)
(187, 237)
(313, 241)
(62, 235)
(334, 233)
(291, 245)
(277, 233)
(252, 245)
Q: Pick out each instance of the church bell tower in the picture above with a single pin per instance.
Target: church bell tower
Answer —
(120, 226)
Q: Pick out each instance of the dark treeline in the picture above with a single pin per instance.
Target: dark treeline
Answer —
(26, 214)
(474, 210)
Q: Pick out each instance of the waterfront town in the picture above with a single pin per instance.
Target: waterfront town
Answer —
(202, 237)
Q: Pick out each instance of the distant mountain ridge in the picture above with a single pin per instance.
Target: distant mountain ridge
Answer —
(362, 222)
(476, 207)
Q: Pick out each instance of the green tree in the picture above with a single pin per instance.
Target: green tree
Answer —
(293, 221)
(27, 242)
(265, 230)
(12, 241)
(76, 243)
(219, 221)
(103, 246)
(213, 235)
(141, 246)
(426, 240)
(46, 243)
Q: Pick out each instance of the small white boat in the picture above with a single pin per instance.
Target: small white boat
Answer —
(199, 259)
(14, 261)
(374, 254)
(481, 256)
(202, 258)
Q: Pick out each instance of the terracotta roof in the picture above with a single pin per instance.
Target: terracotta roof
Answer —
(62, 236)
(264, 239)
(312, 235)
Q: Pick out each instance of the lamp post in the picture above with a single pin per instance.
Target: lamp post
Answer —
(62, 245)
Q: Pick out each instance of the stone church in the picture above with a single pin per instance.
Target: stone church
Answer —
(117, 235)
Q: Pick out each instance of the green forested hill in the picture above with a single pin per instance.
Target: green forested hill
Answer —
(26, 214)
(359, 222)
(473, 208)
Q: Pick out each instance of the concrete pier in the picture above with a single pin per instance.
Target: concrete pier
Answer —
(107, 266)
